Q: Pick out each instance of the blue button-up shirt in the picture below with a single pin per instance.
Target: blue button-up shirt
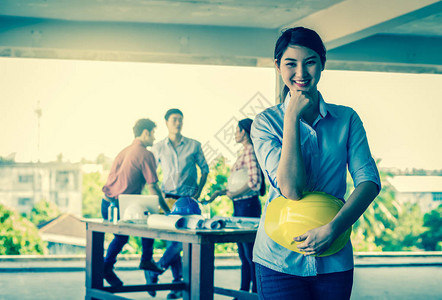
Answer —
(179, 165)
(335, 140)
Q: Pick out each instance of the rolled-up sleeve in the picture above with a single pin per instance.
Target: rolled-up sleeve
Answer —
(267, 148)
(253, 170)
(361, 164)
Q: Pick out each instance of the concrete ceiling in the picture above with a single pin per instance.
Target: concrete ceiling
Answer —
(375, 35)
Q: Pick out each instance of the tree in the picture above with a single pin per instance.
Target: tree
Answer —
(92, 188)
(217, 180)
(405, 235)
(432, 236)
(222, 206)
(44, 211)
(105, 161)
(92, 194)
(6, 161)
(18, 235)
(60, 157)
(382, 214)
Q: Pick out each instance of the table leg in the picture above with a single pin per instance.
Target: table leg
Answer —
(187, 262)
(198, 271)
(94, 260)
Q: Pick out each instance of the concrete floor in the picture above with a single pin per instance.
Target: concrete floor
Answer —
(389, 283)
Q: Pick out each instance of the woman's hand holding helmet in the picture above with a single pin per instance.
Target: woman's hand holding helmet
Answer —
(316, 241)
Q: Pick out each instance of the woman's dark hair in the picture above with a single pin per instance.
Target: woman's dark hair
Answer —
(300, 36)
(171, 112)
(142, 124)
(246, 125)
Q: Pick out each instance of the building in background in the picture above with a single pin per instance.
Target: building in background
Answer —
(423, 190)
(24, 184)
(65, 235)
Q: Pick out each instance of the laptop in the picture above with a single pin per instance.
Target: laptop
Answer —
(147, 202)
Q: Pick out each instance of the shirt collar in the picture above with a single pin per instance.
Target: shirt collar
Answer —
(182, 141)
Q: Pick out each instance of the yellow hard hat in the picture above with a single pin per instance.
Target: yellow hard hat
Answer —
(286, 219)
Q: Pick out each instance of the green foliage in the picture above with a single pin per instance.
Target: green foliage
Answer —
(92, 194)
(18, 235)
(217, 180)
(60, 157)
(133, 246)
(222, 206)
(382, 214)
(6, 161)
(388, 225)
(44, 211)
(92, 188)
(364, 243)
(226, 248)
(432, 236)
(404, 236)
(105, 161)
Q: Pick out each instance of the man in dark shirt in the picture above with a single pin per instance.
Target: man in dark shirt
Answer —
(133, 168)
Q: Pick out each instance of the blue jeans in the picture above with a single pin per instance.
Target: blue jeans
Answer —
(273, 285)
(250, 207)
(171, 258)
(119, 241)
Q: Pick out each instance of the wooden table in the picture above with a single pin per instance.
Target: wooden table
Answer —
(198, 260)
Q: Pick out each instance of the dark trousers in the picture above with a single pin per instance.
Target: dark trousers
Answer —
(250, 207)
(119, 241)
(273, 285)
(172, 257)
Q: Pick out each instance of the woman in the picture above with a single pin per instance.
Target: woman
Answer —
(305, 144)
(245, 185)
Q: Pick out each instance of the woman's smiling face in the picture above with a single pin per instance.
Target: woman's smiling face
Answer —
(300, 68)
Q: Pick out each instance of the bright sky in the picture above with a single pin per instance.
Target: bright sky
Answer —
(89, 108)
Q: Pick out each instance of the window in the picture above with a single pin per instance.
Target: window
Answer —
(62, 179)
(24, 201)
(437, 196)
(28, 178)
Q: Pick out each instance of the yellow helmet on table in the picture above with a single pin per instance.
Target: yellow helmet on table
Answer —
(286, 219)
